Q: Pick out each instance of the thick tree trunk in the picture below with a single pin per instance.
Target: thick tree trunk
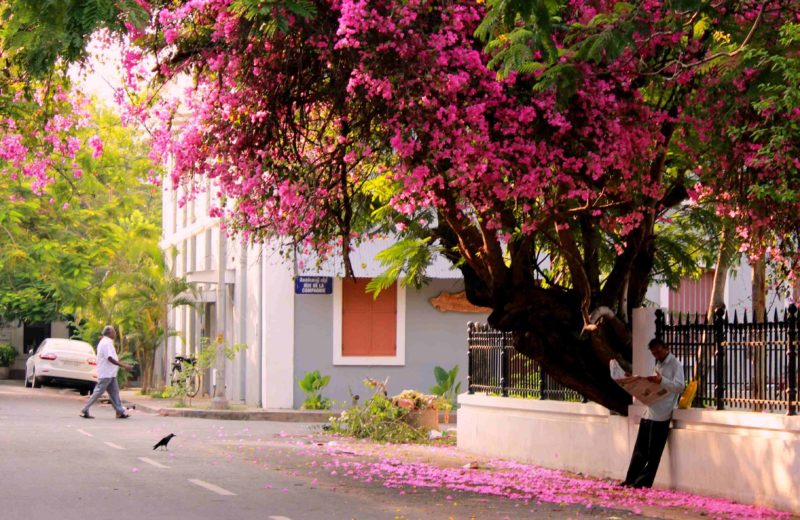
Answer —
(146, 360)
(548, 327)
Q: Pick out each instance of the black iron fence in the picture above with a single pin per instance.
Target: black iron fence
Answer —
(738, 364)
(495, 367)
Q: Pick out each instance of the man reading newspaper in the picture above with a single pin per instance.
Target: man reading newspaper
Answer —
(660, 393)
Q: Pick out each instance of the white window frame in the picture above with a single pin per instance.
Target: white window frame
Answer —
(399, 359)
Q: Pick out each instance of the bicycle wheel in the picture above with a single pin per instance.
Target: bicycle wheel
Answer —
(192, 384)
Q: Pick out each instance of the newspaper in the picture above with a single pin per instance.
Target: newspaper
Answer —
(639, 387)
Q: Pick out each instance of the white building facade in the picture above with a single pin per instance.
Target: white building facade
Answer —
(292, 324)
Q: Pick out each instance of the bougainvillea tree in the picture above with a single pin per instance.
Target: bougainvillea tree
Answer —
(540, 146)
(80, 225)
(40, 114)
(540, 164)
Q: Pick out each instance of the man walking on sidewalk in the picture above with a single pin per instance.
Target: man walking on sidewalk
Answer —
(107, 368)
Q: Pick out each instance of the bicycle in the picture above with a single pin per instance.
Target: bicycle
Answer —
(191, 378)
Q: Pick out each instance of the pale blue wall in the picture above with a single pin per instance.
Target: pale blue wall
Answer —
(432, 338)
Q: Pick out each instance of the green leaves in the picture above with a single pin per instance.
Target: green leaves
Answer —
(379, 419)
(517, 31)
(59, 251)
(409, 257)
(267, 17)
(312, 384)
(38, 34)
(606, 44)
(447, 384)
(7, 355)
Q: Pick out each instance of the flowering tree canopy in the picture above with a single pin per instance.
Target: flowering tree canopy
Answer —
(40, 114)
(541, 146)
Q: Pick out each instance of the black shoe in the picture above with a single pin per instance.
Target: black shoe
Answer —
(86, 415)
(624, 484)
(122, 416)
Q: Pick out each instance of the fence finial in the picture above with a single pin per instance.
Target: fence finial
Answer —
(719, 356)
(660, 324)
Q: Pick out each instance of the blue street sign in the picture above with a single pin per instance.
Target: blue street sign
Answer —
(313, 285)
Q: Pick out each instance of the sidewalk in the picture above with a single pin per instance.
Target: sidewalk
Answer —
(201, 407)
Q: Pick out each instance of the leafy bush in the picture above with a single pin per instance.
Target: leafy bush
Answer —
(179, 388)
(446, 385)
(123, 376)
(379, 419)
(206, 358)
(7, 355)
(312, 384)
(156, 393)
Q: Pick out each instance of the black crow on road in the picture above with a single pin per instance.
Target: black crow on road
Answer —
(164, 441)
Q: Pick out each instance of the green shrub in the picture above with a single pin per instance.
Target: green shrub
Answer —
(379, 419)
(446, 386)
(205, 359)
(312, 384)
(7, 355)
(123, 376)
(155, 393)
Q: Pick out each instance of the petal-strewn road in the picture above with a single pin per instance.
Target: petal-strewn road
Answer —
(55, 464)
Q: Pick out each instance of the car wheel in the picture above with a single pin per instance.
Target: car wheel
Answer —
(36, 383)
(27, 380)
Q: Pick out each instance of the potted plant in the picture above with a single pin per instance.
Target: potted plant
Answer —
(448, 387)
(7, 356)
(423, 408)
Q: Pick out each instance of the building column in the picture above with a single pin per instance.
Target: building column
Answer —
(644, 329)
(220, 400)
(279, 324)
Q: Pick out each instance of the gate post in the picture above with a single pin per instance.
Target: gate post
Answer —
(504, 355)
(542, 382)
(792, 359)
(470, 342)
(719, 357)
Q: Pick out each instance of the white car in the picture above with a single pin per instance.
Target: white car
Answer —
(67, 361)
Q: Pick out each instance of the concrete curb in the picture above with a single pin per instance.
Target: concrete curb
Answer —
(295, 416)
(298, 416)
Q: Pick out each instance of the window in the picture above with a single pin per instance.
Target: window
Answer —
(368, 331)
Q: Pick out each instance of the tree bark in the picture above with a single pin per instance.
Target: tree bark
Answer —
(548, 327)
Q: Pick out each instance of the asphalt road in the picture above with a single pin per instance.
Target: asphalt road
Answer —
(55, 464)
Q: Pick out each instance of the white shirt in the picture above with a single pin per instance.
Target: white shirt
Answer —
(672, 381)
(104, 367)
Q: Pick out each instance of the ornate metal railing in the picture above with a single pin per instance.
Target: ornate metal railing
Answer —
(739, 364)
(495, 367)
